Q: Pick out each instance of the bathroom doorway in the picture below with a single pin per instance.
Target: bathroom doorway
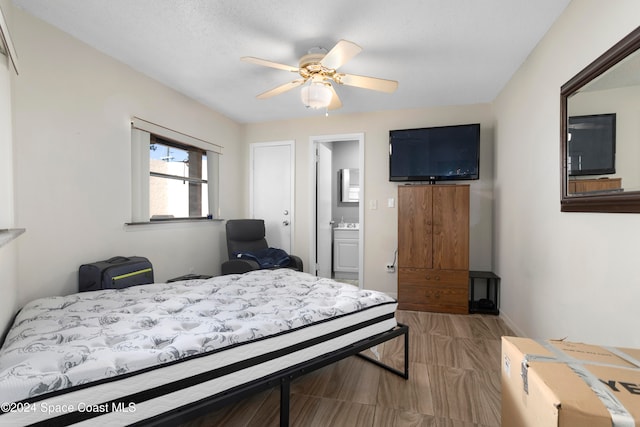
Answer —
(337, 189)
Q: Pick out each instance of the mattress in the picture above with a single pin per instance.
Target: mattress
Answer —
(120, 356)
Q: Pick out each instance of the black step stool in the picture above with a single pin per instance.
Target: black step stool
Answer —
(490, 303)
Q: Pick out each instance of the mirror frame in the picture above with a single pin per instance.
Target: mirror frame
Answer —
(625, 202)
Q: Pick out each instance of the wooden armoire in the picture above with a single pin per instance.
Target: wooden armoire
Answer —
(433, 248)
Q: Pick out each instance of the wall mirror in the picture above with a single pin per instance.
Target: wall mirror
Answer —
(600, 133)
(349, 185)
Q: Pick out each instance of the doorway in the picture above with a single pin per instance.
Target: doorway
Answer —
(323, 217)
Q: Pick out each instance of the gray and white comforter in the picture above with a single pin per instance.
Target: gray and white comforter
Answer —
(59, 342)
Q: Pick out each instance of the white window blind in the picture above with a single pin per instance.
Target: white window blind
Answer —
(173, 135)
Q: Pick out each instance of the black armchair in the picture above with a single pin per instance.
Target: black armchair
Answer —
(248, 235)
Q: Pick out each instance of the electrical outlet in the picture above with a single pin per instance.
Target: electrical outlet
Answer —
(391, 268)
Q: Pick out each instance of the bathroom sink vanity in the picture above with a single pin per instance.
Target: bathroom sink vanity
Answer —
(346, 250)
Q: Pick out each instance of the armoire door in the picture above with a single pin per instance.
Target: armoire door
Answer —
(451, 227)
(415, 247)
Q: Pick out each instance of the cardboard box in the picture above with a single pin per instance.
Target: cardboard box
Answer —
(565, 384)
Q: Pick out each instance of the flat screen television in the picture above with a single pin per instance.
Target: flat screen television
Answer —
(591, 146)
(443, 153)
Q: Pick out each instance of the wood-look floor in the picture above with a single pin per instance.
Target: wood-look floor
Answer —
(454, 381)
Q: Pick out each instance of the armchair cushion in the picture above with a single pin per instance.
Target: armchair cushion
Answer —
(266, 258)
(239, 266)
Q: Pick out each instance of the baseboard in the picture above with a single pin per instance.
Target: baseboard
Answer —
(507, 320)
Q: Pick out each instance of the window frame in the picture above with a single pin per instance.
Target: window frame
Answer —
(193, 196)
(142, 135)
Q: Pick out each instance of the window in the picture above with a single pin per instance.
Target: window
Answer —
(178, 186)
(174, 176)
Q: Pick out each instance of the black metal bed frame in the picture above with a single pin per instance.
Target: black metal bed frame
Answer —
(283, 379)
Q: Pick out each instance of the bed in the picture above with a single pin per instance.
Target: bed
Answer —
(164, 353)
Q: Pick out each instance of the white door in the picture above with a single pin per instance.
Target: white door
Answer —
(271, 190)
(323, 209)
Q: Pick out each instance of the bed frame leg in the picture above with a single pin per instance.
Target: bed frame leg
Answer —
(285, 395)
(403, 330)
(406, 355)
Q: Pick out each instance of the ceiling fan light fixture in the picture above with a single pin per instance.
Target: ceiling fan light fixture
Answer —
(318, 69)
(316, 95)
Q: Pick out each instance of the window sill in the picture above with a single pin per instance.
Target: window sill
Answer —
(174, 221)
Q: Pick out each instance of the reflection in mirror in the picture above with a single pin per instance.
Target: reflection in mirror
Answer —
(601, 133)
(350, 185)
(591, 153)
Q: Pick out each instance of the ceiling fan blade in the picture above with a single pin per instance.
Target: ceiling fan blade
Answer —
(335, 100)
(281, 89)
(364, 82)
(271, 64)
(342, 52)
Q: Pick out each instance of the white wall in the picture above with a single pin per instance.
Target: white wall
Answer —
(380, 237)
(345, 155)
(8, 253)
(72, 109)
(568, 275)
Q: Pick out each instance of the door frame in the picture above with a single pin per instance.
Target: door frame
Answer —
(313, 140)
(292, 162)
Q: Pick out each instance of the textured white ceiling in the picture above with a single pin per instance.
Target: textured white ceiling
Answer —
(442, 52)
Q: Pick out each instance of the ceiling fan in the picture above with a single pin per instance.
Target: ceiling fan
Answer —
(319, 69)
